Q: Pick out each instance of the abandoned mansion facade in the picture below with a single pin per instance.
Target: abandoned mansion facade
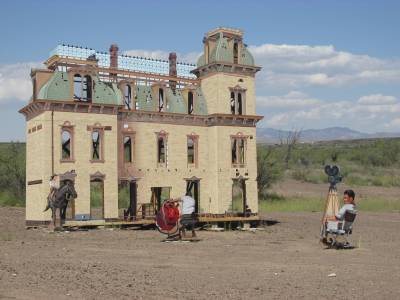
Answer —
(137, 131)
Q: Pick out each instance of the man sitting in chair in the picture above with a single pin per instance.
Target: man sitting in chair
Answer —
(348, 200)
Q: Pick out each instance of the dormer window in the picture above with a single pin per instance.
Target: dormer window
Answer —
(77, 87)
(127, 96)
(161, 102)
(235, 53)
(83, 88)
(87, 88)
(190, 103)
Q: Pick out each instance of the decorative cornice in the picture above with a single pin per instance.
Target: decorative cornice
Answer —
(224, 67)
(36, 107)
(190, 120)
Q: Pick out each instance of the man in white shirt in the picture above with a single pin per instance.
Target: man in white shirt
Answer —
(188, 217)
(348, 200)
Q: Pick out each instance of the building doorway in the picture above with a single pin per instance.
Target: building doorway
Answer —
(193, 186)
(239, 201)
(158, 197)
(96, 199)
(68, 177)
(127, 200)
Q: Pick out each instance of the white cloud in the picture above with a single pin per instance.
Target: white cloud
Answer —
(393, 124)
(365, 114)
(292, 100)
(304, 65)
(377, 99)
(15, 81)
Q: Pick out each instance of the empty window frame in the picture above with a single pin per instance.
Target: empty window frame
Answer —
(97, 145)
(66, 144)
(235, 52)
(128, 149)
(232, 103)
(192, 151)
(238, 151)
(83, 88)
(190, 103)
(162, 150)
(87, 88)
(161, 100)
(128, 96)
(77, 87)
(237, 103)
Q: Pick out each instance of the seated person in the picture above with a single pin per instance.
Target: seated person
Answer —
(188, 216)
(349, 204)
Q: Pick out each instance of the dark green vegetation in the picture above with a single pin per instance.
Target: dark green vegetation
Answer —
(12, 174)
(363, 163)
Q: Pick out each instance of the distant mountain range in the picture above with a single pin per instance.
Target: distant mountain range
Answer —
(270, 135)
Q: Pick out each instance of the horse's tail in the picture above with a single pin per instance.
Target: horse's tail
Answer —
(47, 206)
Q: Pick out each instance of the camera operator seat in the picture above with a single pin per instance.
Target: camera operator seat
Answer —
(337, 232)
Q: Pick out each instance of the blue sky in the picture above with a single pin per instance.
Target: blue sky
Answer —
(325, 63)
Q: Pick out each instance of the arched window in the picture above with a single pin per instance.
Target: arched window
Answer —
(160, 100)
(96, 145)
(161, 150)
(240, 105)
(127, 149)
(233, 110)
(190, 151)
(237, 101)
(190, 103)
(238, 149)
(66, 147)
(128, 96)
(77, 87)
(87, 88)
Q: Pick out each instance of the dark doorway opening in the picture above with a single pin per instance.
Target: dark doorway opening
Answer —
(96, 199)
(239, 201)
(158, 197)
(193, 186)
(127, 200)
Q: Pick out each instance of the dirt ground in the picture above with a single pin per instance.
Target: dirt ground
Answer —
(283, 261)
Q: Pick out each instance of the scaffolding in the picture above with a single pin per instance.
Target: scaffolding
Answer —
(125, 62)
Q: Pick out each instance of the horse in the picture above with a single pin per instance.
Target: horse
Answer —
(60, 200)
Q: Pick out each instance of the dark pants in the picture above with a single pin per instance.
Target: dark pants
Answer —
(189, 221)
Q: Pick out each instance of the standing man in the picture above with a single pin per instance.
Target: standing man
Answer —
(188, 216)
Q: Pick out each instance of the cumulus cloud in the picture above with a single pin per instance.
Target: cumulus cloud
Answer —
(377, 99)
(304, 65)
(292, 100)
(393, 124)
(367, 113)
(15, 81)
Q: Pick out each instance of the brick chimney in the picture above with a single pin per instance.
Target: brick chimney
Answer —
(172, 70)
(114, 56)
(114, 59)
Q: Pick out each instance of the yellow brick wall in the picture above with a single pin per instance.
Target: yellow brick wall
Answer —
(39, 162)
(214, 166)
(216, 91)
